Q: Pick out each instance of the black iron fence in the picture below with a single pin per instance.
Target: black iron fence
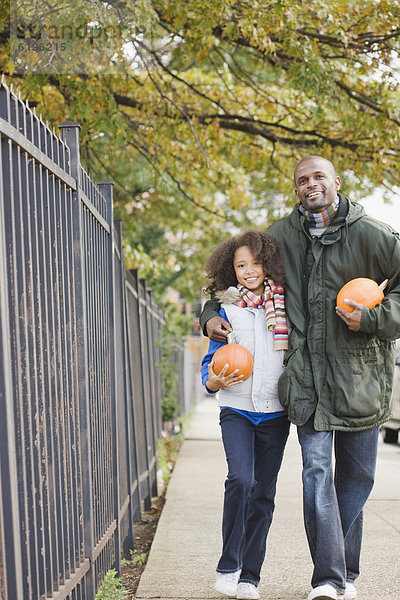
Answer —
(79, 389)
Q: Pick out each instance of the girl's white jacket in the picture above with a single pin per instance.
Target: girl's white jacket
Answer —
(259, 393)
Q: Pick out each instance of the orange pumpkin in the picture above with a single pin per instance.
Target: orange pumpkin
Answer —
(361, 290)
(237, 357)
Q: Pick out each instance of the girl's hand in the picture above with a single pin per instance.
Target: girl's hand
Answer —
(215, 382)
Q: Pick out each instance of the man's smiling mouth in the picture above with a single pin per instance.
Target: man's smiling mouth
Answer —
(313, 194)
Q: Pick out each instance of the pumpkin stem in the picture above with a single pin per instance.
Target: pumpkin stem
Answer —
(383, 284)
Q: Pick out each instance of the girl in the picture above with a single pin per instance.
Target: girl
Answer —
(246, 274)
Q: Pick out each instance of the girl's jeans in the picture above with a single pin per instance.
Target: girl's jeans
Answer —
(254, 455)
(333, 503)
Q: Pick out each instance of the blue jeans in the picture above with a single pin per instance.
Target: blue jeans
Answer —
(333, 502)
(254, 455)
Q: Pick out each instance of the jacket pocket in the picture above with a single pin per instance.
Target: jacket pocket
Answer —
(284, 382)
(358, 384)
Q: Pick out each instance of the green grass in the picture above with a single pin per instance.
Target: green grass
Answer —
(168, 449)
(111, 587)
(139, 559)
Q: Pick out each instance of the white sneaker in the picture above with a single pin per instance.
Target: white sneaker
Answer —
(324, 592)
(350, 592)
(247, 591)
(227, 583)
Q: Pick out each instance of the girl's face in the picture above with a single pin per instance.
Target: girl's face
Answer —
(249, 270)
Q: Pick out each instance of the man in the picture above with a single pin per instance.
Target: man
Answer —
(339, 367)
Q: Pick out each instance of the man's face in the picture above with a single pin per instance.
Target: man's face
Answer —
(316, 184)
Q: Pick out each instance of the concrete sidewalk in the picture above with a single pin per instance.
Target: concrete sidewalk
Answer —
(187, 543)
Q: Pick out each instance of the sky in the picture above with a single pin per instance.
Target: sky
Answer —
(383, 211)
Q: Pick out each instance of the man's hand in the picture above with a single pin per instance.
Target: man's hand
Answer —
(218, 329)
(216, 382)
(352, 319)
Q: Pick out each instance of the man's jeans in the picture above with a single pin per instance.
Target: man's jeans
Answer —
(254, 455)
(333, 504)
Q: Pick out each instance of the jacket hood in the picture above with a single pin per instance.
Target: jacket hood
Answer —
(229, 296)
(356, 211)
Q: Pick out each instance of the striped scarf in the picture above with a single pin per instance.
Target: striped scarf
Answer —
(273, 300)
(323, 218)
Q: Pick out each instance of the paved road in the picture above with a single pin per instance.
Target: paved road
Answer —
(186, 547)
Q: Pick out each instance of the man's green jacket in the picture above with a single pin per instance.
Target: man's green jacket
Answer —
(342, 377)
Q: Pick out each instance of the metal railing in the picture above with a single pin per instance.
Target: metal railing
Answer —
(79, 389)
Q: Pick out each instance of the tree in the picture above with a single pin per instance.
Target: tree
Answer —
(198, 110)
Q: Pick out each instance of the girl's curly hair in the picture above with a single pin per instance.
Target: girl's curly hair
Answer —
(263, 246)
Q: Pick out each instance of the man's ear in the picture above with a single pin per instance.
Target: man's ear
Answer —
(337, 182)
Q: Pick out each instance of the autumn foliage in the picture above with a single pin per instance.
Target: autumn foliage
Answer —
(199, 110)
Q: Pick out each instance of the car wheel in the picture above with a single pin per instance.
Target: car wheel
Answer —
(390, 436)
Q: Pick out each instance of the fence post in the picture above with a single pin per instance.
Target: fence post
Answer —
(11, 584)
(130, 316)
(130, 442)
(106, 189)
(70, 135)
(153, 394)
(13, 563)
(151, 450)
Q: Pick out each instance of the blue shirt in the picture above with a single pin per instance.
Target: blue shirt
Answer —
(256, 417)
(213, 347)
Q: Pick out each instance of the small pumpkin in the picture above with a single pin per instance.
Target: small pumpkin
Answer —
(237, 357)
(361, 290)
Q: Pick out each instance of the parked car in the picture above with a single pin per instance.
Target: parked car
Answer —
(391, 429)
